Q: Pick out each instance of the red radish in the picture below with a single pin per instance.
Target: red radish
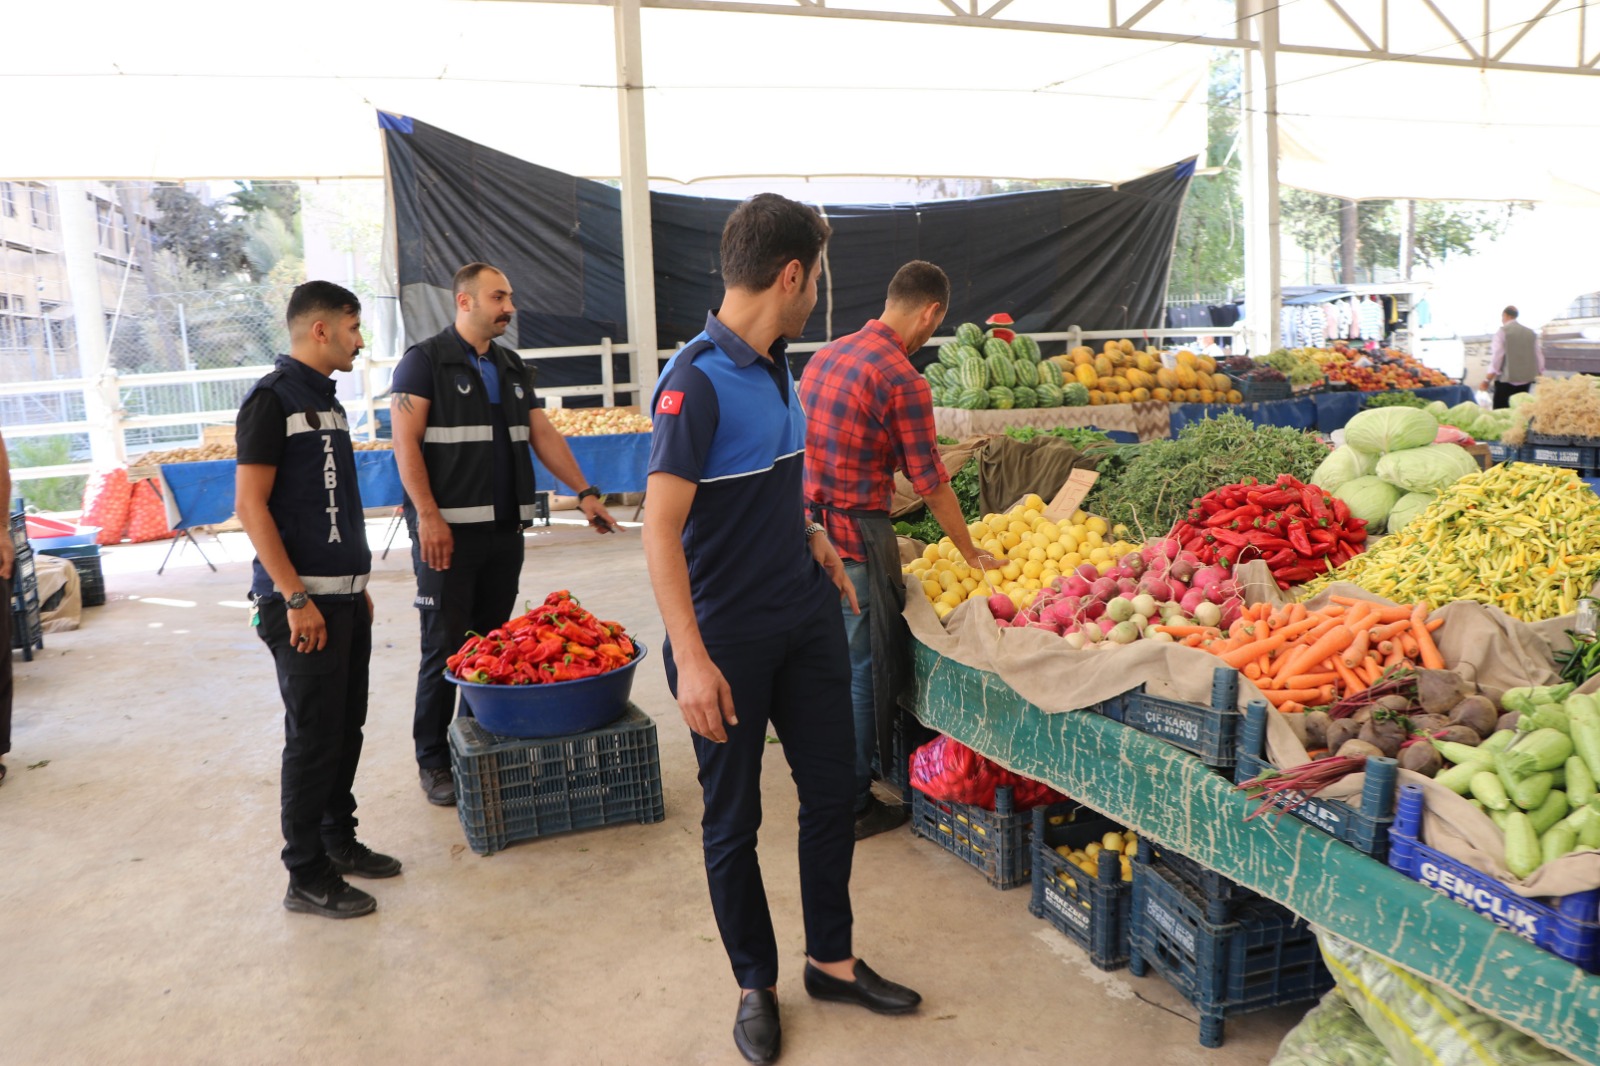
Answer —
(1179, 589)
(1166, 549)
(1128, 587)
(1155, 587)
(1192, 599)
(1181, 570)
(1133, 563)
(1103, 588)
(1075, 585)
(1001, 607)
(1088, 571)
(1093, 610)
(1231, 612)
(1106, 624)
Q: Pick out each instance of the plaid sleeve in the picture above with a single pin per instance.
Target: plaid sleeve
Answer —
(915, 439)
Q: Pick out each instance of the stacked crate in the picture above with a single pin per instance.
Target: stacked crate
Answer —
(27, 631)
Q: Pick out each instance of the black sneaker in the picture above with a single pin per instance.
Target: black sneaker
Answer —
(331, 898)
(439, 785)
(355, 858)
(879, 817)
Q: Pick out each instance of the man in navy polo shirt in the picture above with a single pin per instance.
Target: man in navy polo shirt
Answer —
(749, 594)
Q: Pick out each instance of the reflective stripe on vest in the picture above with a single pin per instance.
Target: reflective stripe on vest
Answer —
(462, 515)
(300, 422)
(529, 511)
(518, 433)
(343, 585)
(457, 434)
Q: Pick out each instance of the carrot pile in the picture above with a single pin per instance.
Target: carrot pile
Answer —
(1302, 658)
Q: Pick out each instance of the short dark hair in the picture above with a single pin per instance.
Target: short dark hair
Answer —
(469, 273)
(918, 284)
(763, 235)
(1510, 311)
(315, 297)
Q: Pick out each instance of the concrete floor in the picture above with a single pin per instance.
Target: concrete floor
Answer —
(140, 915)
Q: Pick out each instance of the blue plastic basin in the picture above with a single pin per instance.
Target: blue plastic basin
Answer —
(555, 709)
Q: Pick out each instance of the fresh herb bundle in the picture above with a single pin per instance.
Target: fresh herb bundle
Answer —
(1162, 477)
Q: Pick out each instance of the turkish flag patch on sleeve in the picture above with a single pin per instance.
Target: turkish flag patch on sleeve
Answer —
(670, 403)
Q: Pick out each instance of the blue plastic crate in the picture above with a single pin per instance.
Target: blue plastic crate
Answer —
(1502, 453)
(1569, 929)
(510, 788)
(1264, 958)
(1572, 458)
(1366, 829)
(85, 559)
(1093, 911)
(995, 843)
(1210, 733)
(1221, 894)
(909, 735)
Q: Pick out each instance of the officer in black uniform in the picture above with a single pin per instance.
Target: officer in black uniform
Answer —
(297, 497)
(463, 417)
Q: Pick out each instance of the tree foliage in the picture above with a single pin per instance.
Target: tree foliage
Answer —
(1443, 229)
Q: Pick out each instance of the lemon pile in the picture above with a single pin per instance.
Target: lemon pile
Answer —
(1036, 551)
(1087, 858)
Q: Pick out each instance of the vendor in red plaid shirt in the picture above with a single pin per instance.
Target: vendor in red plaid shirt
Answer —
(870, 413)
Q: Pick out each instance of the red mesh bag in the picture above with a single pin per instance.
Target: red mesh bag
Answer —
(948, 770)
(106, 501)
(147, 518)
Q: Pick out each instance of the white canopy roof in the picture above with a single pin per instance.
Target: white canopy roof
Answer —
(191, 89)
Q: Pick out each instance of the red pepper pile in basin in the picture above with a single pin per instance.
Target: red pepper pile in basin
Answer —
(1298, 529)
(556, 641)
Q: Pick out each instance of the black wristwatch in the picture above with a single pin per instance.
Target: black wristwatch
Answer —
(297, 601)
(590, 491)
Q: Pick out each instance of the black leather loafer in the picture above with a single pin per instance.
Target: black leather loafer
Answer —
(867, 990)
(756, 1031)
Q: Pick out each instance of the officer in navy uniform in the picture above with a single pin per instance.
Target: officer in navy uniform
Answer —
(297, 497)
(463, 417)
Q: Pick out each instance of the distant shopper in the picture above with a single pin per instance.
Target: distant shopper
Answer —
(1516, 359)
(8, 555)
(297, 498)
(869, 413)
(463, 416)
(750, 597)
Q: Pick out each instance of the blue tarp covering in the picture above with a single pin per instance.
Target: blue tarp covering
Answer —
(1323, 411)
(203, 492)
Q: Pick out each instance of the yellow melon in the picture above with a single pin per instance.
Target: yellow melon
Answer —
(1083, 350)
(1109, 347)
(1167, 379)
(1235, 396)
(1206, 365)
(1188, 359)
(1207, 396)
(1126, 345)
(1103, 367)
(1164, 395)
(1187, 377)
(1082, 357)
(1141, 395)
(1220, 383)
(1125, 397)
(1147, 362)
(1086, 375)
(1096, 397)
(1193, 395)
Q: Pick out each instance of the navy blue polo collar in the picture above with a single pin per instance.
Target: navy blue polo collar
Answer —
(466, 346)
(321, 382)
(737, 348)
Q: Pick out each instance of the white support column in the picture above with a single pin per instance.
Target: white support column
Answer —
(1263, 260)
(638, 256)
(80, 241)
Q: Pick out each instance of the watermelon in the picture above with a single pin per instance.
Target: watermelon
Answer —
(1002, 398)
(1050, 373)
(1002, 371)
(1049, 395)
(970, 333)
(1025, 347)
(1025, 396)
(972, 400)
(1075, 394)
(937, 374)
(1027, 373)
(969, 351)
(995, 346)
(950, 353)
(972, 373)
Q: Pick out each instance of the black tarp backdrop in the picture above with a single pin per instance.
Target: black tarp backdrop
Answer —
(1096, 257)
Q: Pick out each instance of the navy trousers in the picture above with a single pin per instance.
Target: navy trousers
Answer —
(799, 683)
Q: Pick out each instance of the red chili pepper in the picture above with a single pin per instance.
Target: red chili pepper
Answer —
(1294, 575)
(1229, 538)
(1341, 511)
(1325, 538)
(1299, 540)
